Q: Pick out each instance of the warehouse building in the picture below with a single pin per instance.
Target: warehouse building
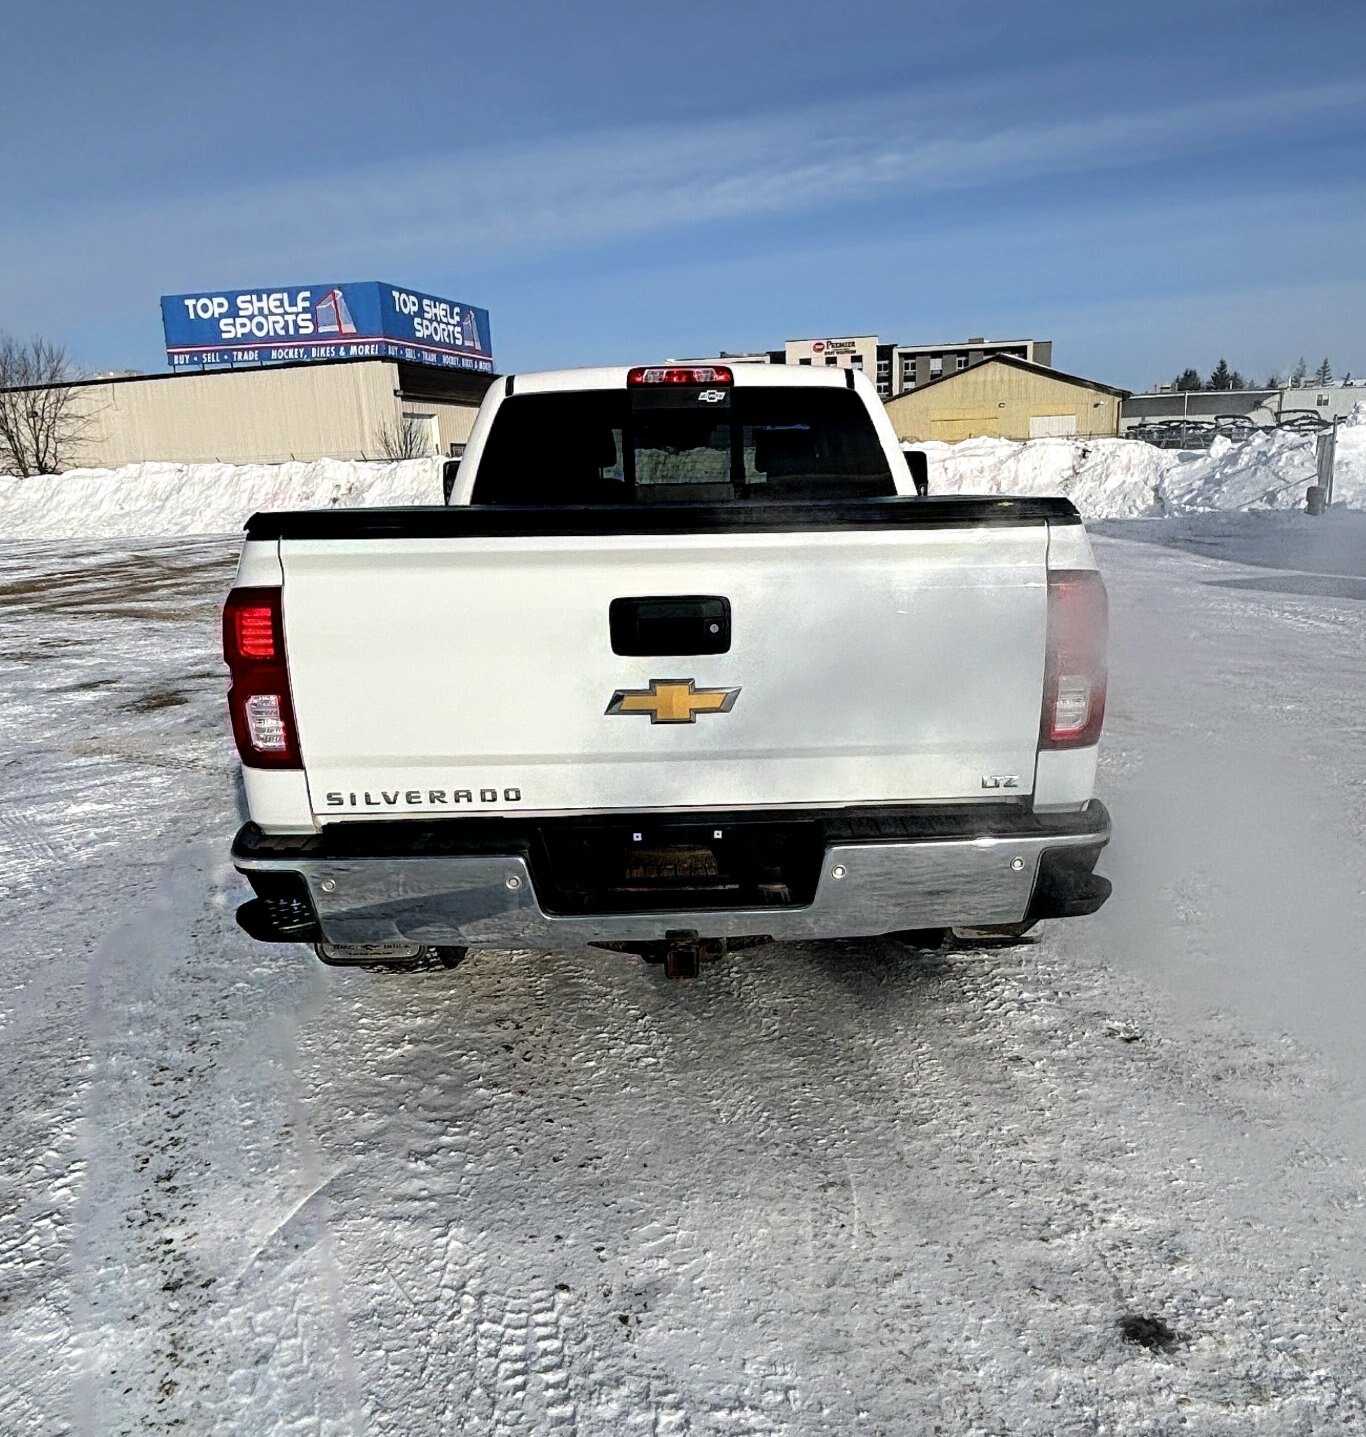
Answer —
(1006, 397)
(342, 409)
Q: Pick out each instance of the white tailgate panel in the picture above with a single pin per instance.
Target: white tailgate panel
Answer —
(891, 667)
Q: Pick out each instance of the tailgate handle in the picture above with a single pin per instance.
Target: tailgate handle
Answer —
(670, 624)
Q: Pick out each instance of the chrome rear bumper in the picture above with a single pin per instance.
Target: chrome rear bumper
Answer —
(1041, 868)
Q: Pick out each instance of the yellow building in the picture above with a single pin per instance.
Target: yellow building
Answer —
(1006, 398)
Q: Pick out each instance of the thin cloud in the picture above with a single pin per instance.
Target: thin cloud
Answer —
(516, 203)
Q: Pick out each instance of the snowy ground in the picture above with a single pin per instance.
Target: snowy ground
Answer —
(817, 1191)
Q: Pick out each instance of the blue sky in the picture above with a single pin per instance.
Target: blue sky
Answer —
(1149, 186)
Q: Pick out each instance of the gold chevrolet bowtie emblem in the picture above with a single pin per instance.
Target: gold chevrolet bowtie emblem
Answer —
(673, 701)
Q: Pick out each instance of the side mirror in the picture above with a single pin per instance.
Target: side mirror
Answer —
(918, 462)
(450, 472)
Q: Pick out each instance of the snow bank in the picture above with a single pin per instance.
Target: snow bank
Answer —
(1105, 478)
(144, 500)
(1127, 479)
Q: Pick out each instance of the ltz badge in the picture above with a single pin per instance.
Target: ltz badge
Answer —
(673, 701)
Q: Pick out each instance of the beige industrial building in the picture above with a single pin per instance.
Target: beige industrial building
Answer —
(346, 409)
(1008, 398)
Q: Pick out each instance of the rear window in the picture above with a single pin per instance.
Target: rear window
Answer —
(681, 445)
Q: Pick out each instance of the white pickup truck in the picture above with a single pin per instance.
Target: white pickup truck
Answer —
(681, 662)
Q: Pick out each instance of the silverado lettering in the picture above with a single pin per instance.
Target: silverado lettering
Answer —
(414, 798)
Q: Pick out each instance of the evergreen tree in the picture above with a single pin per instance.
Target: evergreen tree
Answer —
(1324, 373)
(1187, 379)
(1219, 376)
(1236, 381)
(1273, 380)
(1299, 374)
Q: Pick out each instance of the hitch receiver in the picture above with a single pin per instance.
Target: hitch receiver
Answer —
(682, 953)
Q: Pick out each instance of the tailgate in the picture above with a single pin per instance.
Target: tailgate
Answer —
(477, 674)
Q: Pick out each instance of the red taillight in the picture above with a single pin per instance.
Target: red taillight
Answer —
(682, 374)
(259, 699)
(253, 631)
(1074, 678)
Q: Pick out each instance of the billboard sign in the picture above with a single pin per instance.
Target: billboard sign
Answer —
(324, 321)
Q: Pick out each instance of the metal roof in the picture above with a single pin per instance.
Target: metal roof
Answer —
(1027, 365)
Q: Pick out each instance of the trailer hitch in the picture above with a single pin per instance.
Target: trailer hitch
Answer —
(683, 953)
(679, 952)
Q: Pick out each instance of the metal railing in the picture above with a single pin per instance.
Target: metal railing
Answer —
(1201, 433)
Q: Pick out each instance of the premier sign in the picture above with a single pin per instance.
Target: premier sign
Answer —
(369, 320)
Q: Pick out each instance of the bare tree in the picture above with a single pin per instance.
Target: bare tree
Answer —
(42, 418)
(407, 438)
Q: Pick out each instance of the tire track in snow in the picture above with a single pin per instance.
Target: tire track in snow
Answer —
(208, 1292)
(493, 1339)
(1000, 1135)
(26, 852)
